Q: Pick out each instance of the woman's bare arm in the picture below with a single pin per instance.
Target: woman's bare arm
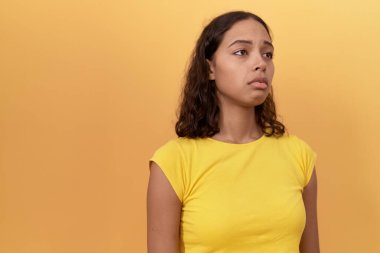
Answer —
(310, 239)
(164, 213)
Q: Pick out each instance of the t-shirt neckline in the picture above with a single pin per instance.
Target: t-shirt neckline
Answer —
(254, 142)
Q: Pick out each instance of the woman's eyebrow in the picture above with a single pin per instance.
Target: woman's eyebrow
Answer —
(265, 42)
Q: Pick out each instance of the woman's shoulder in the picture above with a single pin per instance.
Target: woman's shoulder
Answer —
(181, 141)
(180, 144)
(294, 142)
(290, 138)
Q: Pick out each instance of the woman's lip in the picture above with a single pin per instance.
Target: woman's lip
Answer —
(259, 80)
(259, 85)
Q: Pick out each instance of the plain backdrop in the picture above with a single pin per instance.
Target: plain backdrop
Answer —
(89, 90)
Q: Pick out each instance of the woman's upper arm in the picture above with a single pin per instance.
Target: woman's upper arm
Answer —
(163, 213)
(310, 239)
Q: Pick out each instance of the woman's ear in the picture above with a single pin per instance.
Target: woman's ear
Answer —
(211, 75)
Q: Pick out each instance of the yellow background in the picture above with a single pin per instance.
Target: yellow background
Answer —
(88, 90)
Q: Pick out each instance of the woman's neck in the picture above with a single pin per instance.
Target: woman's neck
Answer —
(238, 125)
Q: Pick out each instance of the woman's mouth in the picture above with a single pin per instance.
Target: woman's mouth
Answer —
(259, 83)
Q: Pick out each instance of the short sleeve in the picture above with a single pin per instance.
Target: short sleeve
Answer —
(308, 159)
(170, 159)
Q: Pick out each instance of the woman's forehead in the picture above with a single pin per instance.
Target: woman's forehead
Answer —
(248, 29)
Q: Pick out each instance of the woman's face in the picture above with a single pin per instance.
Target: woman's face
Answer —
(242, 66)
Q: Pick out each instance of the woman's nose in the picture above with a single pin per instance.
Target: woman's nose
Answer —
(258, 63)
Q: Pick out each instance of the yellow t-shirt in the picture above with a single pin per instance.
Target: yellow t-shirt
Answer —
(239, 198)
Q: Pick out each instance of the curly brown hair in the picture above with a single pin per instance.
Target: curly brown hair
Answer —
(199, 110)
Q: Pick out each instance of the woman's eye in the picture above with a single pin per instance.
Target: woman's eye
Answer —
(269, 55)
(241, 52)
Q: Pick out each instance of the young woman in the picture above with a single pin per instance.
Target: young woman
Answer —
(233, 181)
